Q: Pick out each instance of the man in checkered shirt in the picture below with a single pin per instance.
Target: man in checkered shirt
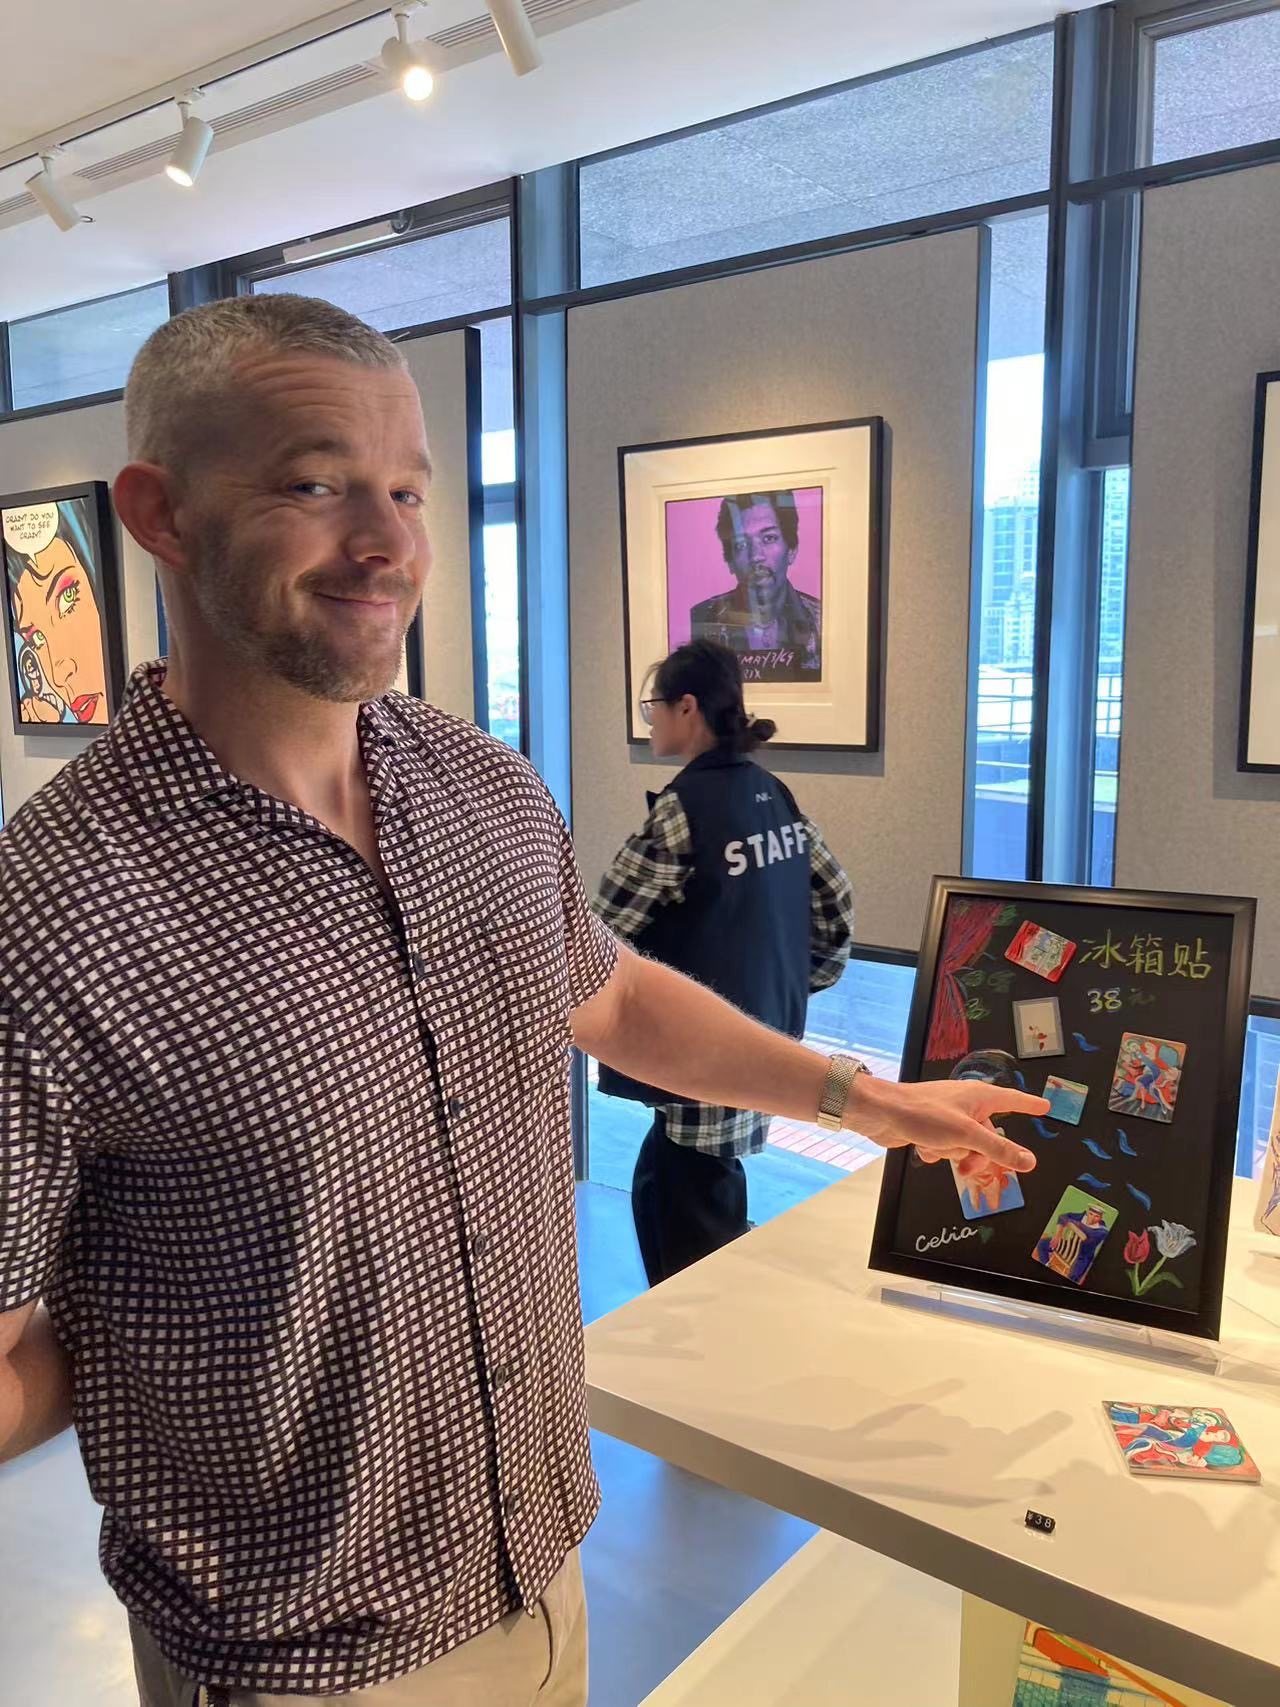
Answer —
(289, 970)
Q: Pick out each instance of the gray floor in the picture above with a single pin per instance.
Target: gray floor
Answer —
(669, 1559)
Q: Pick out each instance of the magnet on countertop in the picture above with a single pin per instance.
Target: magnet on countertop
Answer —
(1037, 1520)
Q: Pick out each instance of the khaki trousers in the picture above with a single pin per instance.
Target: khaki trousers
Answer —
(538, 1661)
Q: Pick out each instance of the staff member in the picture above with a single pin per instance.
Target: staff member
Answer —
(729, 883)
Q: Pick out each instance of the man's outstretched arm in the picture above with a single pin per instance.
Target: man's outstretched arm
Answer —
(662, 1029)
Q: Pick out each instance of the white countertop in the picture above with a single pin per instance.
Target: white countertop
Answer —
(776, 1368)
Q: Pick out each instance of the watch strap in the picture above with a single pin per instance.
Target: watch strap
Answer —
(842, 1070)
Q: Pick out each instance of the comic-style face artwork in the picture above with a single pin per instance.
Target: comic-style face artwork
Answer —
(1147, 1077)
(56, 627)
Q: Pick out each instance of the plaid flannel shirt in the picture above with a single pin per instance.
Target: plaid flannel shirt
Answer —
(650, 872)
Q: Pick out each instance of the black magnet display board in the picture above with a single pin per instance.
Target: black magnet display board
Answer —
(1136, 1004)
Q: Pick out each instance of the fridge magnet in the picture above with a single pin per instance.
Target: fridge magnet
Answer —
(985, 1188)
(1172, 1240)
(1041, 951)
(1147, 1077)
(1037, 1027)
(1172, 1440)
(1066, 1099)
(1059, 1669)
(1076, 1232)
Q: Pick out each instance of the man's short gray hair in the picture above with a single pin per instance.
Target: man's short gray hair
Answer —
(185, 370)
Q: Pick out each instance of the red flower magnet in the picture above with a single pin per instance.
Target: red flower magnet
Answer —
(1138, 1248)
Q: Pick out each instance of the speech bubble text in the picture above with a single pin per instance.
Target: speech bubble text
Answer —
(30, 529)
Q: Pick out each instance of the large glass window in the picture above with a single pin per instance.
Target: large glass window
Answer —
(501, 547)
(1216, 86)
(502, 630)
(1106, 751)
(952, 133)
(1003, 651)
(78, 351)
(1257, 1092)
(441, 276)
(865, 1013)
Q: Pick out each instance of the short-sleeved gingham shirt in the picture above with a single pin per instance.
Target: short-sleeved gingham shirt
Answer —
(290, 1162)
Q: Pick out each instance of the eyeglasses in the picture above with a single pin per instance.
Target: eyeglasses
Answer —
(646, 710)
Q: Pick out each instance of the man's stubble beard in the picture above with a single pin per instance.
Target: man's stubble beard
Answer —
(224, 587)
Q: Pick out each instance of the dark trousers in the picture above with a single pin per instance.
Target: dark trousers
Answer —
(686, 1203)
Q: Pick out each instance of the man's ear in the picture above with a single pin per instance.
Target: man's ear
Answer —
(146, 502)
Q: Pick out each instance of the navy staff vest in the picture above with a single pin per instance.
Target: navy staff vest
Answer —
(743, 927)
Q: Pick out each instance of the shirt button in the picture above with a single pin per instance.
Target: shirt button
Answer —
(419, 966)
(457, 1106)
(513, 1502)
(480, 1245)
(500, 1375)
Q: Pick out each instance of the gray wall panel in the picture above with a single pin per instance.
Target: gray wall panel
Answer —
(1208, 324)
(889, 332)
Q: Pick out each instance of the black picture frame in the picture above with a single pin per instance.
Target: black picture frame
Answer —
(875, 607)
(1262, 391)
(413, 657)
(1238, 913)
(101, 527)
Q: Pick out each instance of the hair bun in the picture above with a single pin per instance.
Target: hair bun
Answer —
(763, 728)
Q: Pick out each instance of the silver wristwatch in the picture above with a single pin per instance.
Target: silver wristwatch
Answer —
(841, 1073)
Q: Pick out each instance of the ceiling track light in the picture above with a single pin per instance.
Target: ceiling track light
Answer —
(193, 144)
(54, 199)
(409, 62)
(515, 32)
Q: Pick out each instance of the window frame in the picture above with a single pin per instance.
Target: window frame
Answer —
(82, 399)
(1157, 22)
(429, 219)
(837, 242)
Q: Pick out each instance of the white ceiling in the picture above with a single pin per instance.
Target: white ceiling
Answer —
(615, 71)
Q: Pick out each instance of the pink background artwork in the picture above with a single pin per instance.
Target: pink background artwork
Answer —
(696, 568)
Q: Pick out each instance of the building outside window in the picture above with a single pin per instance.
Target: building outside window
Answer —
(1213, 86)
(85, 349)
(1106, 760)
(962, 131)
(1002, 672)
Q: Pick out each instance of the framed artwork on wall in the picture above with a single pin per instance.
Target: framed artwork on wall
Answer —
(1142, 1026)
(1260, 696)
(63, 622)
(769, 543)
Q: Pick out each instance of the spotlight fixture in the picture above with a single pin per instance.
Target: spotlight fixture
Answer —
(53, 199)
(193, 144)
(408, 62)
(515, 32)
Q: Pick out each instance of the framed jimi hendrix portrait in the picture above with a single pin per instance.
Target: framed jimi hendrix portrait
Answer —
(770, 544)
